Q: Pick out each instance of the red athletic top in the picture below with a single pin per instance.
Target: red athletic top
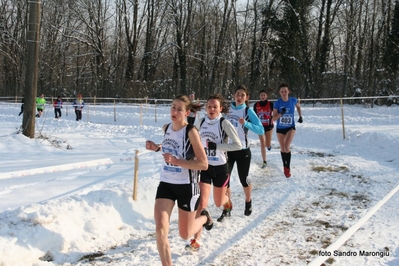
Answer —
(264, 110)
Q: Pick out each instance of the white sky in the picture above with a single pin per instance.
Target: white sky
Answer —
(71, 208)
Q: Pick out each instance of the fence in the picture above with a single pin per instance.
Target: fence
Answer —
(369, 100)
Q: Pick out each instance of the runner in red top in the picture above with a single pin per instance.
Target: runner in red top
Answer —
(264, 110)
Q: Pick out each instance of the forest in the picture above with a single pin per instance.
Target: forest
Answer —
(161, 48)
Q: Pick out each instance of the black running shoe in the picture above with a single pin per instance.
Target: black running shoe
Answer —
(227, 207)
(248, 208)
(209, 223)
(225, 214)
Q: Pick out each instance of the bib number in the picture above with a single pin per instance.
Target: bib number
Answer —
(211, 154)
(286, 120)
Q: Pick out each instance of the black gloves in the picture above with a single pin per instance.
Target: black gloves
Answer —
(283, 110)
(300, 120)
(211, 145)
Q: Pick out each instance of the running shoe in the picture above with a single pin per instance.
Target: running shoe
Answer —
(227, 207)
(287, 172)
(248, 208)
(209, 223)
(269, 148)
(193, 246)
(264, 165)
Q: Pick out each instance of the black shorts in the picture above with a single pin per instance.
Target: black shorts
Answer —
(268, 128)
(187, 195)
(218, 175)
(284, 130)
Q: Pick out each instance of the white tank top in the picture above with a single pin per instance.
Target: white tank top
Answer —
(178, 144)
(214, 133)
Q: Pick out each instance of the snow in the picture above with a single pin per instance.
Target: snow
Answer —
(66, 197)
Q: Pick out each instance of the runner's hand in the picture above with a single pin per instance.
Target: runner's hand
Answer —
(211, 145)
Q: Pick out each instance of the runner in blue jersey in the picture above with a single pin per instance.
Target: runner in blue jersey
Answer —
(283, 113)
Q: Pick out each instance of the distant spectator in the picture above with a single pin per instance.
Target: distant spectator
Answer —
(57, 107)
(40, 102)
(22, 105)
(78, 104)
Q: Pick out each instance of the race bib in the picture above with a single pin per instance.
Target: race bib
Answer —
(211, 154)
(286, 120)
(171, 167)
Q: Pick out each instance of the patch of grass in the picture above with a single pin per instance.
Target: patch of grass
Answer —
(91, 256)
(338, 194)
(326, 243)
(311, 238)
(314, 252)
(333, 169)
(319, 154)
(330, 260)
(360, 197)
(324, 223)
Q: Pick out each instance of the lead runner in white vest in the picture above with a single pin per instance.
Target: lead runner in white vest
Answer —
(183, 157)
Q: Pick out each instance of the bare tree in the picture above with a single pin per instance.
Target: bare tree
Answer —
(13, 25)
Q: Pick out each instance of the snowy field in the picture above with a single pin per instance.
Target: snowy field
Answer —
(66, 197)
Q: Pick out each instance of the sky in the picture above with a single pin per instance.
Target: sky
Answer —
(66, 196)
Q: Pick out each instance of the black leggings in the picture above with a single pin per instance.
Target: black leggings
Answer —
(57, 112)
(78, 114)
(243, 159)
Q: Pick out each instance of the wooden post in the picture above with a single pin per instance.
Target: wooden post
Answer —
(114, 111)
(141, 114)
(146, 98)
(136, 175)
(155, 110)
(343, 120)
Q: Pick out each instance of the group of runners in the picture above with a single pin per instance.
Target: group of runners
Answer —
(77, 104)
(199, 153)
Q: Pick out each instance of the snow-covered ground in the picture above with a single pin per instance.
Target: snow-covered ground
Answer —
(66, 197)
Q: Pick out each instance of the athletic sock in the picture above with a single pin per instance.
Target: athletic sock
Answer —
(288, 159)
(283, 157)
